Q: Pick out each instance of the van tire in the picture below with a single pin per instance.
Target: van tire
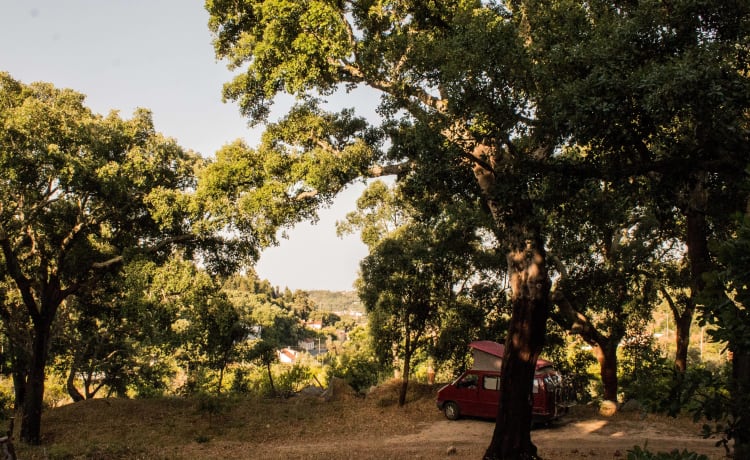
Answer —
(451, 411)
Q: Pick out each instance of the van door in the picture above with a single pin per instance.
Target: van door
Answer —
(489, 395)
(466, 394)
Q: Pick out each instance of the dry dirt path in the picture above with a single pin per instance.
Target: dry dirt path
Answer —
(593, 438)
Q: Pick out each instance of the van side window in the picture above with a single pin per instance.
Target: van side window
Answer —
(536, 386)
(491, 383)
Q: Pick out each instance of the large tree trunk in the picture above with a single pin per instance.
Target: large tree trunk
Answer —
(530, 285)
(699, 259)
(20, 376)
(606, 355)
(31, 421)
(20, 372)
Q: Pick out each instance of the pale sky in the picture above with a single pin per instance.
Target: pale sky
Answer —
(157, 54)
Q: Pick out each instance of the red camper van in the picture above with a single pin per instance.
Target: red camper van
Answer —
(475, 392)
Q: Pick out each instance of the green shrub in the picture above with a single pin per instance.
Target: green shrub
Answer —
(644, 373)
(637, 453)
(359, 370)
(292, 380)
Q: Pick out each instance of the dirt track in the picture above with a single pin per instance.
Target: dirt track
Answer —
(592, 438)
(347, 427)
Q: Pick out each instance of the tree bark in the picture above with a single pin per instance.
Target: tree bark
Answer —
(20, 372)
(31, 422)
(70, 385)
(20, 376)
(699, 258)
(406, 372)
(682, 335)
(604, 348)
(270, 379)
(606, 356)
(682, 319)
(530, 285)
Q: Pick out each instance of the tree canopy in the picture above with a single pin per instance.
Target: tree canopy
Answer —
(506, 102)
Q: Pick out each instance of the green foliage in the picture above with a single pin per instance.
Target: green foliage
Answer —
(638, 453)
(645, 374)
(589, 126)
(292, 379)
(576, 364)
(6, 399)
(727, 297)
(359, 370)
(356, 362)
(729, 290)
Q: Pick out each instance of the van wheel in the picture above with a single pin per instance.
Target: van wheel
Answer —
(451, 411)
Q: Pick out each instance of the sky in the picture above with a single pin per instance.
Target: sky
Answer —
(157, 54)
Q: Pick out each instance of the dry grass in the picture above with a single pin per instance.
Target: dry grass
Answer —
(341, 427)
(174, 428)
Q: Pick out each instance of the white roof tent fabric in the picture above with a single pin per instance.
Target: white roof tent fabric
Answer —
(488, 356)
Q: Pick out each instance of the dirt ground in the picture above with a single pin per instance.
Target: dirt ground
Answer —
(573, 438)
(340, 428)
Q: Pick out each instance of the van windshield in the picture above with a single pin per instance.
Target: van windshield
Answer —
(468, 381)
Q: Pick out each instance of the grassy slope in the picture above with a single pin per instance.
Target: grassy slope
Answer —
(343, 427)
(176, 428)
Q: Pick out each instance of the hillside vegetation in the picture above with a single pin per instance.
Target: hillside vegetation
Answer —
(340, 301)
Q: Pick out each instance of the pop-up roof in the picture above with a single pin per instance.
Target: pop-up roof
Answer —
(488, 356)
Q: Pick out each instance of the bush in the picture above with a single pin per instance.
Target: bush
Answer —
(644, 373)
(240, 383)
(642, 454)
(358, 370)
(292, 380)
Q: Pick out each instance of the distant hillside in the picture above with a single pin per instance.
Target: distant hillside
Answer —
(336, 300)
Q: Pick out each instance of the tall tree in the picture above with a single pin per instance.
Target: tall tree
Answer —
(727, 300)
(457, 70)
(607, 251)
(420, 241)
(656, 91)
(81, 192)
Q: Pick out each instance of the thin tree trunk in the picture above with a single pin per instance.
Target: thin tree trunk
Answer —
(682, 319)
(71, 386)
(406, 372)
(511, 438)
(270, 379)
(221, 379)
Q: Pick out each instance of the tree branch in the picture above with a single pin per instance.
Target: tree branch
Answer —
(575, 321)
(15, 272)
(670, 301)
(149, 250)
(390, 170)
